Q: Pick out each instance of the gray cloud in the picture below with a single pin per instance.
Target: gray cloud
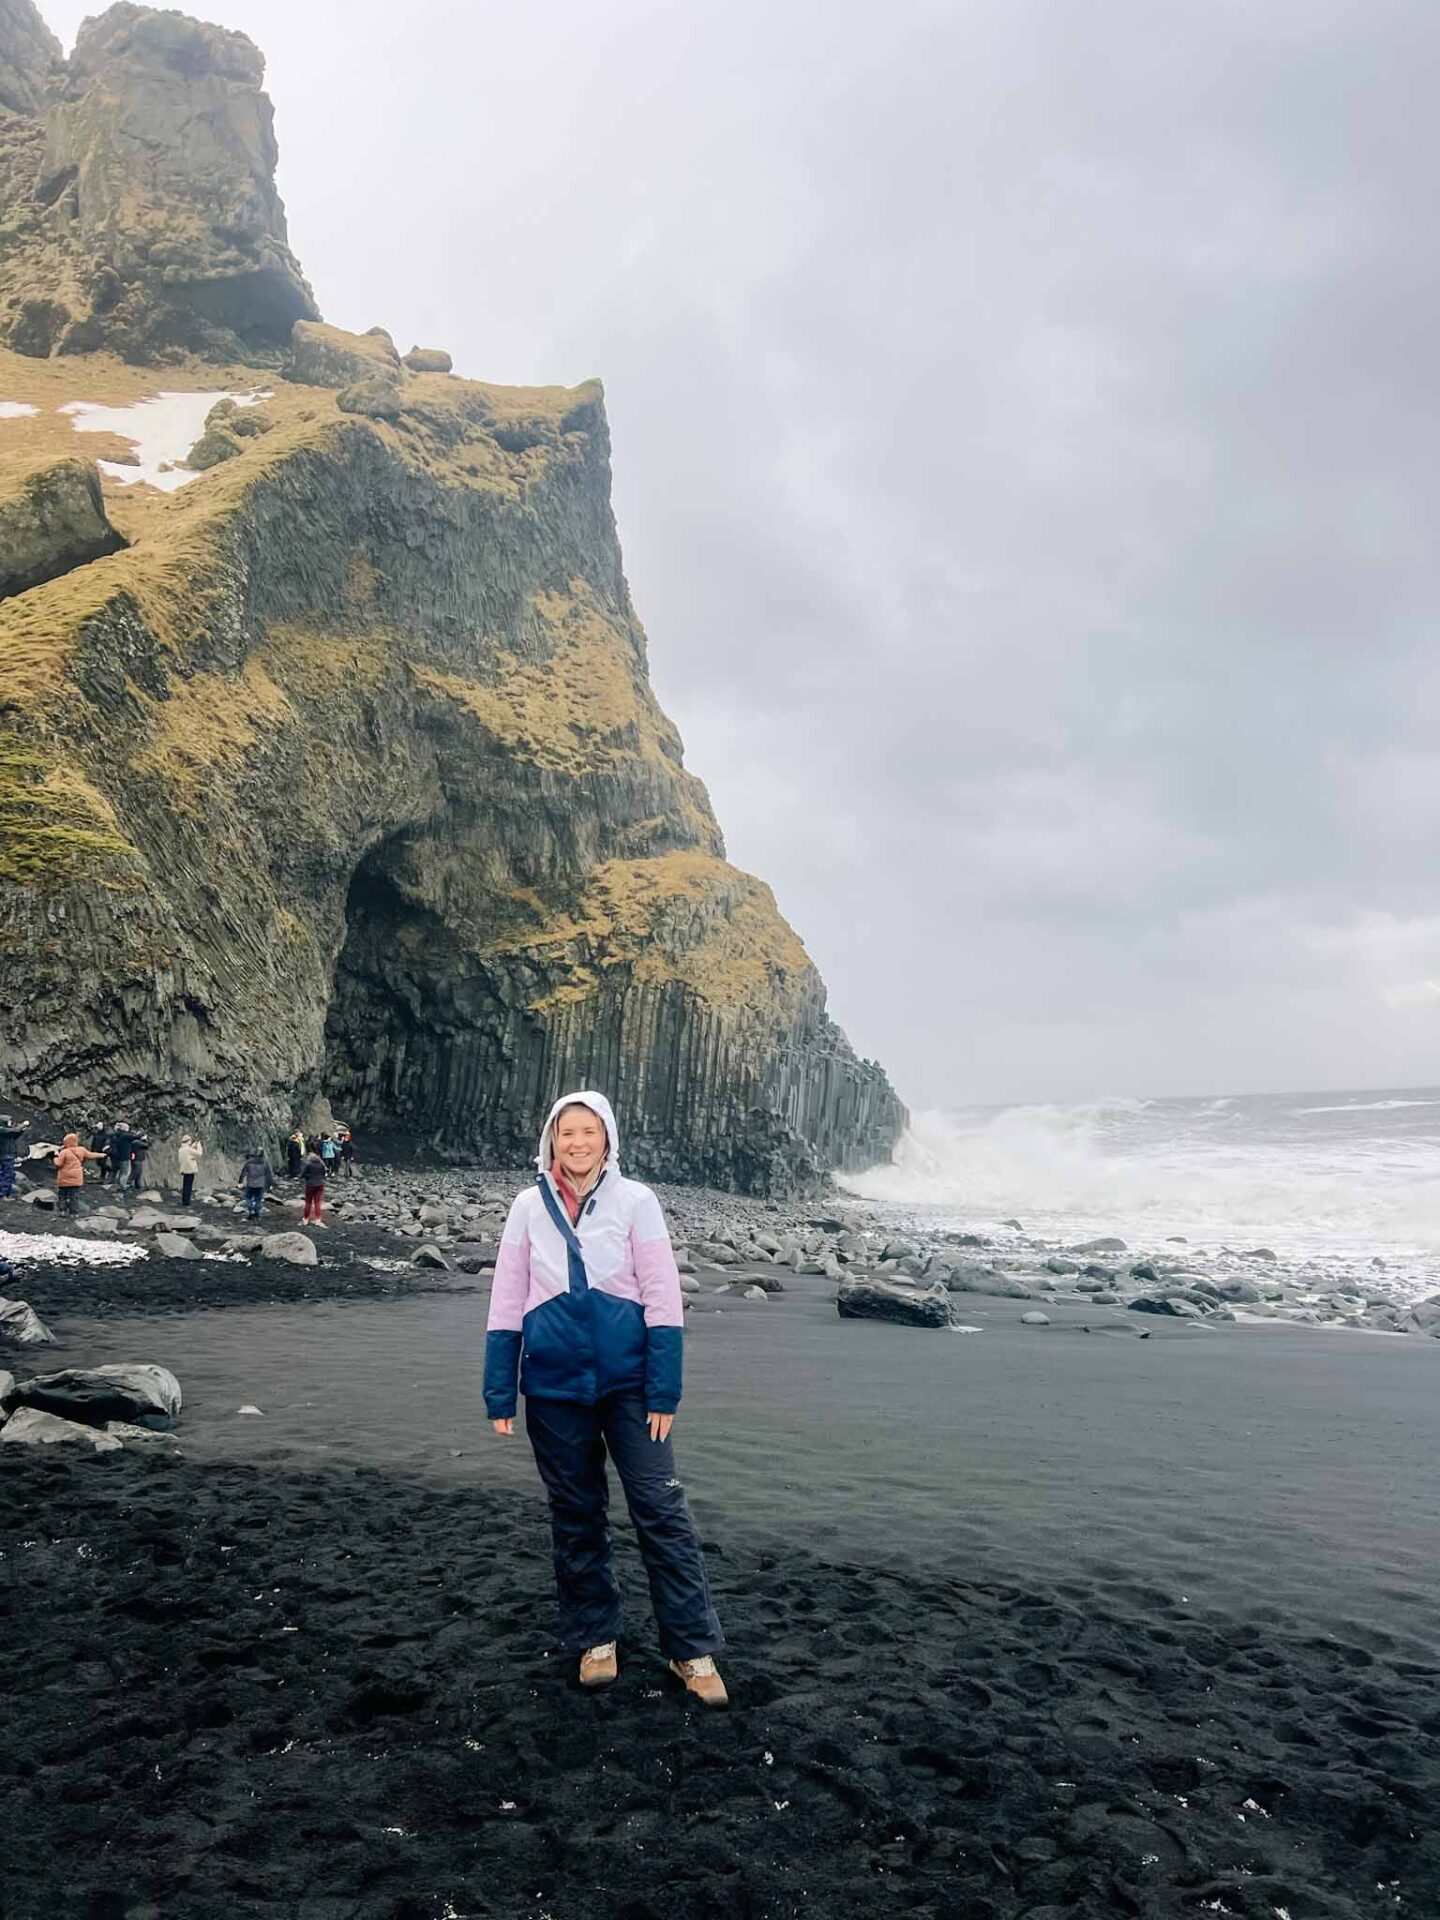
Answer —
(1025, 454)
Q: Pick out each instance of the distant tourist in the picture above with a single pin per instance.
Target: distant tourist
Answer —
(191, 1154)
(586, 1308)
(330, 1154)
(347, 1153)
(70, 1174)
(313, 1174)
(100, 1144)
(294, 1154)
(255, 1182)
(139, 1147)
(120, 1139)
(11, 1134)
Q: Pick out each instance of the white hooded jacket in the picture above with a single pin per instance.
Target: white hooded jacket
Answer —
(583, 1311)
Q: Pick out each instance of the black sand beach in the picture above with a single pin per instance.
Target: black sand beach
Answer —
(1031, 1622)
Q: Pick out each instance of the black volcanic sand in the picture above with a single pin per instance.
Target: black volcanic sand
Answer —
(322, 1694)
(1030, 1624)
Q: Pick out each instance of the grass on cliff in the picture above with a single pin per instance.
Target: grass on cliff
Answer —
(587, 708)
(685, 917)
(54, 825)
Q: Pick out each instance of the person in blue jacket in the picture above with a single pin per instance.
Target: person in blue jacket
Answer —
(586, 1311)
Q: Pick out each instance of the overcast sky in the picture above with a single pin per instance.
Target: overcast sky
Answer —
(1025, 455)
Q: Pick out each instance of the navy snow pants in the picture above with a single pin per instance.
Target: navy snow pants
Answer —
(570, 1441)
(7, 1176)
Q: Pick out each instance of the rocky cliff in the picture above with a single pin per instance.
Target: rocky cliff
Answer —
(336, 770)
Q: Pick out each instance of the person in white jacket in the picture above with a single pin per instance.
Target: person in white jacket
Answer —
(586, 1314)
(190, 1155)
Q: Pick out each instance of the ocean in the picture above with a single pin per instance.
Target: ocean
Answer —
(1332, 1180)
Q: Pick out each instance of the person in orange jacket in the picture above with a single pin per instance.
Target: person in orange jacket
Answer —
(70, 1174)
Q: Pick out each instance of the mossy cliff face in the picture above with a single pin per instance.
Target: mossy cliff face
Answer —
(139, 193)
(343, 777)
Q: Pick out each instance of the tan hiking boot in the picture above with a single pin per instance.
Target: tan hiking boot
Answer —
(702, 1678)
(599, 1666)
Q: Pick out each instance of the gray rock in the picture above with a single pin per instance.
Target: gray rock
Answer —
(1258, 1253)
(1108, 1244)
(873, 1299)
(755, 1293)
(1061, 1263)
(715, 1253)
(97, 1224)
(1237, 1287)
(20, 1322)
(291, 1247)
(43, 1197)
(1035, 1319)
(1165, 1304)
(429, 360)
(175, 1246)
(431, 1216)
(974, 1279)
(768, 1282)
(32, 1428)
(247, 1243)
(141, 1439)
(51, 521)
(689, 1284)
(430, 1256)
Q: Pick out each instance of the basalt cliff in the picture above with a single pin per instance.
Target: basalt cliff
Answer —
(329, 763)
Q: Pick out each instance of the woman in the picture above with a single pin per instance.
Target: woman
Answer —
(191, 1153)
(586, 1308)
(294, 1154)
(70, 1174)
(312, 1172)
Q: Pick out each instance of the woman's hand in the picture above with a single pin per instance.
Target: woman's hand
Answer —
(503, 1426)
(660, 1425)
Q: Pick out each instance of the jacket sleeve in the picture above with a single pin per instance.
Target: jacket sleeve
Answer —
(659, 1281)
(508, 1293)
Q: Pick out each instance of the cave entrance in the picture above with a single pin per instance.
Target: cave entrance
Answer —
(427, 1050)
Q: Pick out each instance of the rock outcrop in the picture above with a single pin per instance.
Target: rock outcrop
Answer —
(346, 779)
(138, 182)
(51, 520)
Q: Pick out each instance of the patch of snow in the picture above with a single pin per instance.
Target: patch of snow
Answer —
(15, 410)
(62, 1251)
(162, 431)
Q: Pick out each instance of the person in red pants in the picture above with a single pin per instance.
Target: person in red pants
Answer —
(312, 1173)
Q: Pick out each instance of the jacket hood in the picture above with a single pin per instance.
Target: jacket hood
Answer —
(599, 1106)
(71, 1140)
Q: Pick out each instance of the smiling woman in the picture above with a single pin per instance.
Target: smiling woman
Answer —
(586, 1307)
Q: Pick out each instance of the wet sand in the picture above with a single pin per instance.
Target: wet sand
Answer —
(1029, 1623)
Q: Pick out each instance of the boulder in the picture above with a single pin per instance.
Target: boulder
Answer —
(432, 1216)
(429, 360)
(1109, 1244)
(96, 1394)
(20, 1322)
(32, 1428)
(1061, 1263)
(1166, 1304)
(872, 1299)
(1258, 1253)
(689, 1284)
(715, 1253)
(768, 1282)
(324, 356)
(215, 446)
(292, 1247)
(1035, 1319)
(97, 1224)
(52, 521)
(43, 1197)
(430, 1256)
(374, 399)
(972, 1279)
(146, 1219)
(913, 1265)
(755, 1293)
(246, 1243)
(174, 1246)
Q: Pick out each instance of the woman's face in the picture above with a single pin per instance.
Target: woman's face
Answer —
(579, 1142)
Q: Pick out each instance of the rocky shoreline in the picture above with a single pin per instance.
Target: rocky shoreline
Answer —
(392, 1230)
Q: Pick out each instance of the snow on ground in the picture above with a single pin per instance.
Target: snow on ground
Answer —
(15, 410)
(162, 431)
(63, 1251)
